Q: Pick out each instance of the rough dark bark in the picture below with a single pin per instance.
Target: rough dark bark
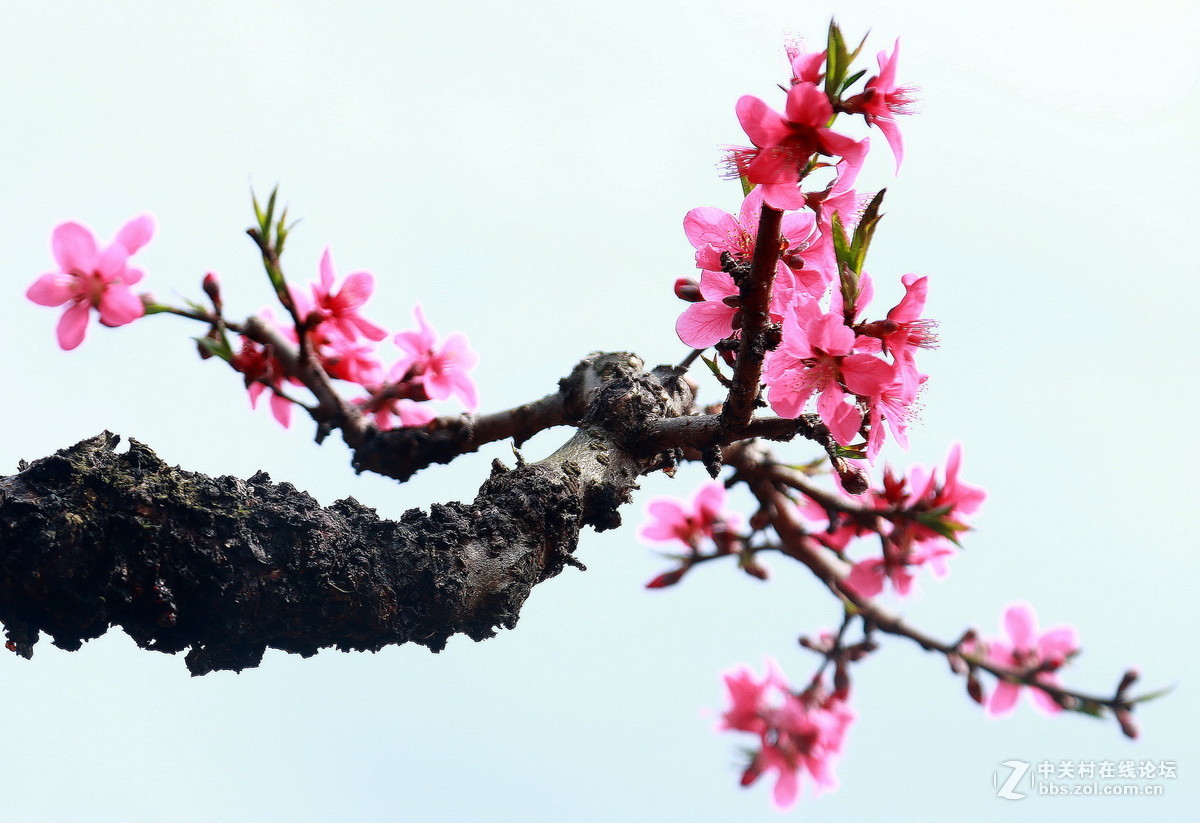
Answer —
(91, 538)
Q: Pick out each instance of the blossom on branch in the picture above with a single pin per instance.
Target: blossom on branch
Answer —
(672, 520)
(263, 372)
(786, 143)
(440, 367)
(1026, 650)
(338, 310)
(817, 357)
(92, 277)
(797, 733)
(882, 100)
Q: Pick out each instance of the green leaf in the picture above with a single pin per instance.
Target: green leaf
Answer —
(841, 248)
(851, 80)
(1142, 698)
(836, 63)
(946, 528)
(747, 186)
(217, 348)
(858, 451)
(865, 231)
(713, 367)
(1089, 707)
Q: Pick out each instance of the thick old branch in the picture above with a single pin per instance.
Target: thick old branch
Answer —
(227, 568)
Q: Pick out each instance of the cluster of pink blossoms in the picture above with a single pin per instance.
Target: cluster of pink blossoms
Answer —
(797, 732)
(919, 517)
(91, 276)
(860, 375)
(343, 341)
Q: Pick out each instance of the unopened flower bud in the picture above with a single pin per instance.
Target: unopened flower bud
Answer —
(667, 578)
(1128, 727)
(727, 542)
(755, 570)
(212, 287)
(1128, 679)
(760, 519)
(688, 289)
(854, 480)
(975, 688)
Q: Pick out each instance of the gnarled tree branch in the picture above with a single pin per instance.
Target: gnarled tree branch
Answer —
(227, 568)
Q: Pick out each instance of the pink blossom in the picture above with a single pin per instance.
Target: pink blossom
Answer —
(705, 323)
(786, 143)
(805, 254)
(92, 277)
(905, 330)
(263, 372)
(867, 577)
(806, 65)
(919, 518)
(339, 309)
(816, 357)
(345, 359)
(1026, 650)
(441, 368)
(672, 520)
(892, 405)
(882, 100)
(797, 733)
(393, 412)
(952, 495)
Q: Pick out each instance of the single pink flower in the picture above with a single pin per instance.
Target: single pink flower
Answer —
(92, 277)
(784, 144)
(339, 309)
(882, 100)
(1025, 649)
(672, 520)
(263, 372)
(345, 359)
(953, 495)
(893, 405)
(440, 367)
(816, 357)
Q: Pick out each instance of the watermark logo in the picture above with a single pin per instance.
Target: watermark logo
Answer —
(1007, 790)
(1018, 779)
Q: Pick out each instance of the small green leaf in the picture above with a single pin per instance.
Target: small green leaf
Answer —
(1142, 698)
(713, 367)
(835, 59)
(217, 348)
(852, 79)
(858, 451)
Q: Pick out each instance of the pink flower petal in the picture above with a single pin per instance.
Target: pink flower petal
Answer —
(74, 247)
(52, 289)
(1020, 622)
(136, 233)
(704, 324)
(1003, 698)
(73, 325)
(118, 306)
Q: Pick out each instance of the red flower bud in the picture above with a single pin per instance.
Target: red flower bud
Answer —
(667, 578)
(688, 289)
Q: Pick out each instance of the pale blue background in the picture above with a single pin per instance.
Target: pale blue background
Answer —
(523, 169)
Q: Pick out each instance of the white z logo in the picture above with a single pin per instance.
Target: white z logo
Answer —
(1019, 767)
